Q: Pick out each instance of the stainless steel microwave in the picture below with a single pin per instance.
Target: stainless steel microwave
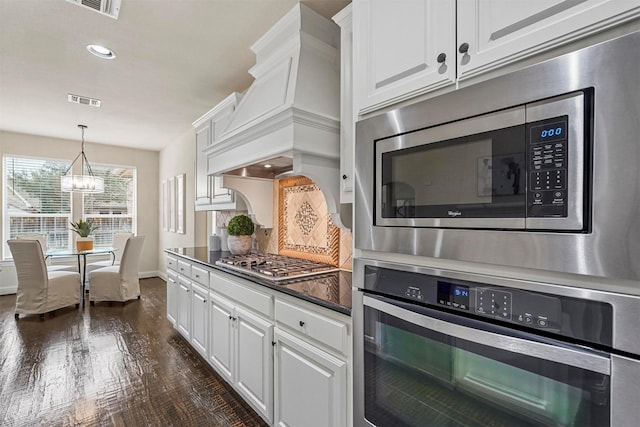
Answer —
(518, 168)
(537, 168)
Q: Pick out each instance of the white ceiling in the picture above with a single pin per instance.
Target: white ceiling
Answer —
(175, 61)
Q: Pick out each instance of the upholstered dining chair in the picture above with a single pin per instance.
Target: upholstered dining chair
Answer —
(119, 241)
(43, 244)
(118, 282)
(41, 291)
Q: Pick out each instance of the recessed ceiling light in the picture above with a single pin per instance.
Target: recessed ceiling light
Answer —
(267, 166)
(101, 51)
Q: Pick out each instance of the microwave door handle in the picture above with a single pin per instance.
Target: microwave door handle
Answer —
(563, 355)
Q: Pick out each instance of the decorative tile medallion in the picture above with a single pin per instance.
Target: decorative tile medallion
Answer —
(306, 230)
(306, 218)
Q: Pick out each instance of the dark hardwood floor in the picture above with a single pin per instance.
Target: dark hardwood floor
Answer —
(105, 366)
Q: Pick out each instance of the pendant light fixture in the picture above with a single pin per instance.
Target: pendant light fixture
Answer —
(81, 183)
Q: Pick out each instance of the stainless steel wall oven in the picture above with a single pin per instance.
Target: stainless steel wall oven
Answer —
(537, 168)
(436, 347)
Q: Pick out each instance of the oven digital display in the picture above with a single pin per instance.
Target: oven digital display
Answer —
(453, 295)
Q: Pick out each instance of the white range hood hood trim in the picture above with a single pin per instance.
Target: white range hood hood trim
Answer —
(291, 110)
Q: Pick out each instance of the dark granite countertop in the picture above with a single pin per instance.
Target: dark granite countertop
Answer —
(330, 290)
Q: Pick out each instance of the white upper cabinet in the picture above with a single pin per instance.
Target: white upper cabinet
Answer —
(499, 32)
(209, 193)
(401, 49)
(407, 48)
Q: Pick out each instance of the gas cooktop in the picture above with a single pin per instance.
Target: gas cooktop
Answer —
(274, 267)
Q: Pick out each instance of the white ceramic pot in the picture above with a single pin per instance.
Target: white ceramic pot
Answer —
(239, 245)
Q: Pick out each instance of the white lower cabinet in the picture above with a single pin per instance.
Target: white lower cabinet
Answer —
(199, 318)
(184, 308)
(288, 358)
(310, 384)
(221, 334)
(241, 351)
(172, 297)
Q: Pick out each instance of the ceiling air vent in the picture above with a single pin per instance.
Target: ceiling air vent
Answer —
(107, 7)
(77, 99)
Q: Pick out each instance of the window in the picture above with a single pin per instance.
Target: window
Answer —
(114, 210)
(33, 202)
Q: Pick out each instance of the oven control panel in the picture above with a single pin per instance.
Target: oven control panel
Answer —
(578, 318)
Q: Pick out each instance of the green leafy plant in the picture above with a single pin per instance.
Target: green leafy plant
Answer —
(83, 228)
(240, 225)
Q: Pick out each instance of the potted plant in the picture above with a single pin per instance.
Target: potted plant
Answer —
(240, 229)
(84, 241)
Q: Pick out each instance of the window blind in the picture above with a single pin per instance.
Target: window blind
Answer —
(114, 210)
(33, 202)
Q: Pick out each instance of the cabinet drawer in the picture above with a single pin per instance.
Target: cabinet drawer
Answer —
(329, 332)
(172, 263)
(200, 275)
(184, 268)
(230, 288)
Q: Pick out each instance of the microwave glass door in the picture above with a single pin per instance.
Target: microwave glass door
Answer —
(472, 170)
(417, 376)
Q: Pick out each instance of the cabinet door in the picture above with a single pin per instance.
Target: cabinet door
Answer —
(310, 385)
(172, 298)
(347, 132)
(221, 339)
(254, 361)
(199, 319)
(203, 139)
(499, 32)
(184, 307)
(397, 46)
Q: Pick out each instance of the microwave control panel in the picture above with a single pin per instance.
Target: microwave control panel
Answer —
(547, 146)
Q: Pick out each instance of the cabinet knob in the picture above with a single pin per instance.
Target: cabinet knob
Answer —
(344, 176)
(441, 58)
(273, 343)
(230, 317)
(301, 323)
(464, 48)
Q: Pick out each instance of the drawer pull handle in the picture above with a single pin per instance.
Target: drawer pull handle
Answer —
(301, 324)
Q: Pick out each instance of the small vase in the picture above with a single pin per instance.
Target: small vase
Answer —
(84, 243)
(239, 245)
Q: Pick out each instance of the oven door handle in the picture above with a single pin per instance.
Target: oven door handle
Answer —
(561, 354)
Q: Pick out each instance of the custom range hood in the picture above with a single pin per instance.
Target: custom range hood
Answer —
(289, 117)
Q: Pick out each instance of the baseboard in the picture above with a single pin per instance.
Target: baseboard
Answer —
(7, 290)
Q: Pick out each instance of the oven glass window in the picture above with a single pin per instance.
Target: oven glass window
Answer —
(476, 176)
(417, 377)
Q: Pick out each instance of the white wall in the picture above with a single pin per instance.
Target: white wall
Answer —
(178, 158)
(145, 162)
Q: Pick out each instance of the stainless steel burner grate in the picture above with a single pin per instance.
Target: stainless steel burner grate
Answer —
(274, 267)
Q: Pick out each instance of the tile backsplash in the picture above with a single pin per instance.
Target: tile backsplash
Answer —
(303, 228)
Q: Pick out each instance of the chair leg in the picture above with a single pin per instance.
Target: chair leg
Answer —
(17, 316)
